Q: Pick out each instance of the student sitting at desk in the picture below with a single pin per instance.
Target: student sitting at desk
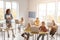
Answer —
(37, 22)
(42, 29)
(26, 35)
(22, 21)
(21, 25)
(53, 29)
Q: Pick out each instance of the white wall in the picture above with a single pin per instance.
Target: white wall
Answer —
(23, 9)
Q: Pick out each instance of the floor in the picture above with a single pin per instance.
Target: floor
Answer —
(4, 36)
(19, 37)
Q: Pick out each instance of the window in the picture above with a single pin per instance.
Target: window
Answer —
(50, 11)
(1, 10)
(9, 5)
(46, 11)
(14, 10)
(13, 6)
(42, 11)
(58, 12)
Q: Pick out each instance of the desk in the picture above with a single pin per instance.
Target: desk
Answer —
(29, 31)
(4, 32)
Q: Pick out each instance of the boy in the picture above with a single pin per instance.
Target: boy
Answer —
(42, 29)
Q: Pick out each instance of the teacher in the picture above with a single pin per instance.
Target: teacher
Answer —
(8, 17)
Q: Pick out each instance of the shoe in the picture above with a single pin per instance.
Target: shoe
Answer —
(52, 37)
(13, 35)
(8, 36)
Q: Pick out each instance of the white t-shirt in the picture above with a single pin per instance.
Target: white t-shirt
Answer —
(8, 16)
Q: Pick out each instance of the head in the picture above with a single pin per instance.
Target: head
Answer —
(37, 18)
(43, 23)
(8, 11)
(22, 19)
(53, 22)
(29, 25)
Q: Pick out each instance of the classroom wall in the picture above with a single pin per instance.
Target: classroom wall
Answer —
(23, 9)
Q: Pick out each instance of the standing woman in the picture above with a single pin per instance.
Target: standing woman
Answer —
(8, 17)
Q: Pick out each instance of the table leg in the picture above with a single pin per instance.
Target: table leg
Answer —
(56, 36)
(33, 37)
(47, 37)
(4, 35)
(15, 28)
(36, 36)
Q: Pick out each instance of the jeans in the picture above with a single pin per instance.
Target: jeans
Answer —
(40, 36)
(21, 28)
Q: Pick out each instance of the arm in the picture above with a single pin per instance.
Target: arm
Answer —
(11, 16)
(40, 28)
(5, 16)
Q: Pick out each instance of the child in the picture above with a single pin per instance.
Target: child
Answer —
(21, 24)
(53, 28)
(42, 29)
(27, 34)
(37, 22)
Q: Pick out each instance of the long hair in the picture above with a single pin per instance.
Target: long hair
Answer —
(7, 11)
(53, 22)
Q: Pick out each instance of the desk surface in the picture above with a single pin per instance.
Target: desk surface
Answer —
(3, 30)
(29, 31)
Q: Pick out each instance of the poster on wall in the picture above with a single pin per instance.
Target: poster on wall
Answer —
(31, 14)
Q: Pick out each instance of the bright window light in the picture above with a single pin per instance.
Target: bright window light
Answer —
(51, 9)
(8, 5)
(46, 11)
(58, 13)
(14, 5)
(14, 10)
(1, 4)
(1, 10)
(42, 10)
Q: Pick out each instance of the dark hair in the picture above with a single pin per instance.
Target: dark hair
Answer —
(53, 22)
(43, 22)
(7, 11)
